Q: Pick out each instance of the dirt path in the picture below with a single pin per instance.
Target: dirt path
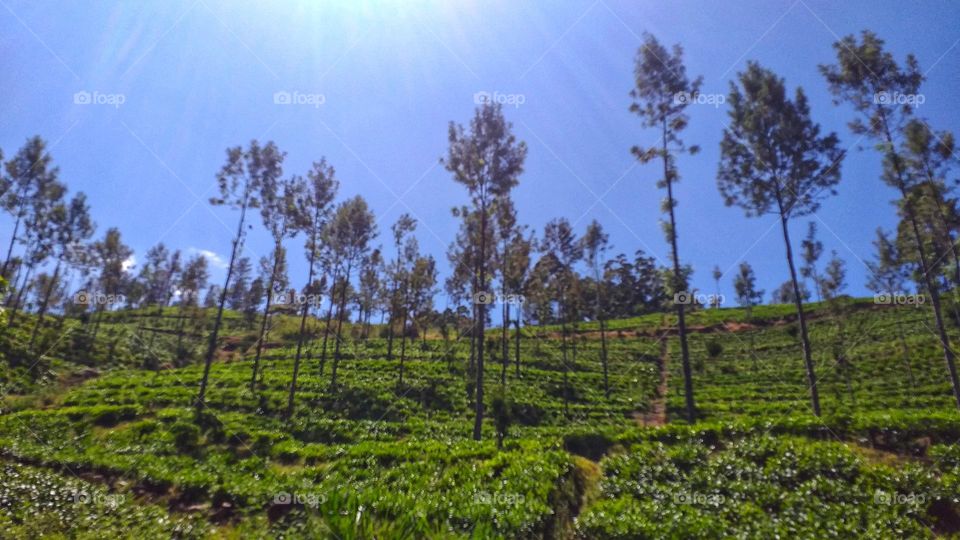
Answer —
(657, 415)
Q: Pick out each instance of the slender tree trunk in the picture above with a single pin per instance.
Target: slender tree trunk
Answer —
(924, 267)
(340, 317)
(16, 303)
(304, 311)
(44, 304)
(266, 316)
(516, 339)
(798, 301)
(482, 320)
(566, 366)
(681, 317)
(329, 318)
(212, 344)
(13, 239)
(504, 341)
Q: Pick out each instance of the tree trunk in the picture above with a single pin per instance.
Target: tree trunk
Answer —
(13, 239)
(924, 267)
(482, 320)
(681, 318)
(303, 326)
(212, 345)
(340, 316)
(804, 339)
(45, 304)
(266, 316)
(516, 339)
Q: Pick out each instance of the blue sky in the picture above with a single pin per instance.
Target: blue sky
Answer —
(199, 76)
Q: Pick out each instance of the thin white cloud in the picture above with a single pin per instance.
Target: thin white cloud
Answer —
(215, 260)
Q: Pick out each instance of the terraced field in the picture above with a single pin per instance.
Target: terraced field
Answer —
(371, 458)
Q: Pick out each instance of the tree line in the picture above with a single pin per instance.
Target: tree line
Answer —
(775, 159)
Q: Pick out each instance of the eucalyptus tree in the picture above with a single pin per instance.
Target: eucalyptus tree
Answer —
(192, 280)
(370, 294)
(237, 297)
(487, 161)
(280, 203)
(404, 302)
(810, 250)
(774, 159)
(661, 96)
(888, 276)
(26, 172)
(239, 182)
(515, 270)
(320, 189)
(595, 244)
(748, 295)
(404, 226)
(870, 79)
(832, 285)
(717, 275)
(72, 228)
(561, 247)
(110, 257)
(423, 289)
(352, 228)
(505, 214)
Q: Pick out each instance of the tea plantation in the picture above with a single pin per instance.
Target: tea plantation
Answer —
(113, 448)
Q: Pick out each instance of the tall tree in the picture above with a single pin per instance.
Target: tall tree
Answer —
(561, 247)
(660, 99)
(487, 161)
(774, 159)
(352, 228)
(595, 244)
(239, 181)
(26, 172)
(865, 74)
(280, 202)
(72, 227)
(404, 226)
(321, 187)
(236, 298)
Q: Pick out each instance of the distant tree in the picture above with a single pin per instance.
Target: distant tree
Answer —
(26, 172)
(811, 249)
(595, 244)
(774, 158)
(252, 299)
(786, 294)
(72, 228)
(832, 285)
(320, 189)
(561, 247)
(211, 297)
(516, 269)
(239, 182)
(193, 280)
(236, 298)
(661, 96)
(352, 229)
(867, 76)
(280, 202)
(488, 162)
(717, 275)
(371, 291)
(404, 226)
(745, 286)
